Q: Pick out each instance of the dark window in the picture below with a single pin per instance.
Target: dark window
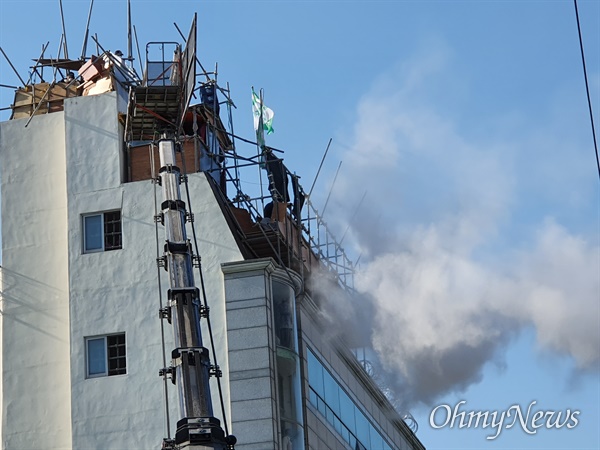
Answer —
(112, 230)
(105, 355)
(116, 354)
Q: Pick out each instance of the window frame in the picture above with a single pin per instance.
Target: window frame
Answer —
(102, 215)
(104, 338)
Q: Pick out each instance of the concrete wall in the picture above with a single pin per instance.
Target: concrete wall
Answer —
(252, 374)
(321, 435)
(36, 394)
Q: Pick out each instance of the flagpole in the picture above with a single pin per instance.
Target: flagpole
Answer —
(261, 123)
(259, 151)
(261, 128)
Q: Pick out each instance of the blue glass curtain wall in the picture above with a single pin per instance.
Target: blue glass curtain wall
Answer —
(330, 399)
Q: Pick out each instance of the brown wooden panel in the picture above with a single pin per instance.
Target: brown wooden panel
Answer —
(28, 98)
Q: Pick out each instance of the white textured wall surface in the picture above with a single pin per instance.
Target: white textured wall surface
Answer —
(117, 291)
(113, 291)
(53, 296)
(36, 395)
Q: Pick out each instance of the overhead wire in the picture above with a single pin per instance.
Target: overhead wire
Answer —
(587, 86)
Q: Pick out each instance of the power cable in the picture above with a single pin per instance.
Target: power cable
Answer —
(587, 87)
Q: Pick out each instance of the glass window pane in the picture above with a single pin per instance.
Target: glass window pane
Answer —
(329, 415)
(337, 425)
(346, 410)
(312, 397)
(96, 356)
(283, 308)
(331, 392)
(352, 442)
(92, 226)
(376, 439)
(345, 434)
(321, 407)
(315, 374)
(362, 428)
(339, 409)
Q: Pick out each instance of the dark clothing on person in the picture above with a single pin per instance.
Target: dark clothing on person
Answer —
(277, 177)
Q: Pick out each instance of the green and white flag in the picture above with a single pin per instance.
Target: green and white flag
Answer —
(263, 119)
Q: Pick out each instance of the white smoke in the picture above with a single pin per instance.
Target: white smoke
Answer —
(440, 315)
(561, 287)
(452, 277)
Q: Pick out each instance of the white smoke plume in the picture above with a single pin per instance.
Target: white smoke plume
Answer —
(440, 315)
(451, 274)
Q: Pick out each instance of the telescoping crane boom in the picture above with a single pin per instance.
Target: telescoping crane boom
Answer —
(191, 368)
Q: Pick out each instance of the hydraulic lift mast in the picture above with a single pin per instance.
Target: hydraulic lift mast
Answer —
(191, 368)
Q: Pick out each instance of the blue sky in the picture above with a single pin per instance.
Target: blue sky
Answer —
(466, 122)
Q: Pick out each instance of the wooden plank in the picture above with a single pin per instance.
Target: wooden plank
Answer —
(28, 98)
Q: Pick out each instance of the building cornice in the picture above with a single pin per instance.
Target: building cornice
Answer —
(249, 265)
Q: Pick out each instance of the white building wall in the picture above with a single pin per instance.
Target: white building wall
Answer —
(62, 166)
(113, 291)
(117, 291)
(36, 394)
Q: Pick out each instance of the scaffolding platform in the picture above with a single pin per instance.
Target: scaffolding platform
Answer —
(151, 109)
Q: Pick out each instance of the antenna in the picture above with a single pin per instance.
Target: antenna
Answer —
(129, 40)
(137, 44)
(320, 166)
(87, 32)
(62, 18)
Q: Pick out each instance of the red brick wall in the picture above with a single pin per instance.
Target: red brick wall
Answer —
(140, 166)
